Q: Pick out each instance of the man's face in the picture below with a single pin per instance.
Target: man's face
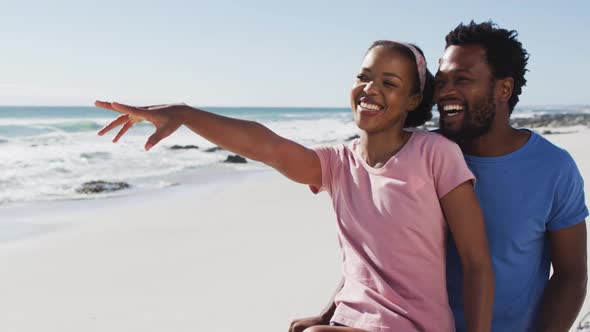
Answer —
(464, 93)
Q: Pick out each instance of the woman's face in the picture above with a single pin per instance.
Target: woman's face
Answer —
(382, 93)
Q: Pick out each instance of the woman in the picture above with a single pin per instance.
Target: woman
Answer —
(394, 192)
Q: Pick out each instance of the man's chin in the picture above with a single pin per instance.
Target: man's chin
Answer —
(449, 132)
(463, 135)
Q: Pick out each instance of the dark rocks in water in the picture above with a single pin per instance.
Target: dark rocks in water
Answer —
(95, 187)
(552, 120)
(235, 159)
(551, 132)
(352, 137)
(95, 155)
(544, 121)
(215, 149)
(183, 147)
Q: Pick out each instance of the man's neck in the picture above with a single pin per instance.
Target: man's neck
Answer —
(502, 139)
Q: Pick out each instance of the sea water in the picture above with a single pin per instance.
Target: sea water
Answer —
(46, 153)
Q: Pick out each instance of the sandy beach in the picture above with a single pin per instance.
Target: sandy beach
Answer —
(248, 254)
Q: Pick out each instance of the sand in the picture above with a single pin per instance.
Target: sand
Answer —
(248, 254)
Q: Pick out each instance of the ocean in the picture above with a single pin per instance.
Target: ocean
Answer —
(46, 153)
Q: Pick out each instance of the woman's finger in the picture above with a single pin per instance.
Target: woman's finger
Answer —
(123, 130)
(105, 105)
(114, 124)
(132, 110)
(161, 106)
(155, 138)
(155, 107)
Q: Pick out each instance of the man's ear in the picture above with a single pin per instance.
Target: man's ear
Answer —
(504, 88)
(415, 100)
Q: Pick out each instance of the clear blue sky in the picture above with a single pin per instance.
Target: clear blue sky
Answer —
(259, 53)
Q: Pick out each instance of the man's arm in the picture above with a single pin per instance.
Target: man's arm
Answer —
(299, 325)
(566, 290)
(466, 222)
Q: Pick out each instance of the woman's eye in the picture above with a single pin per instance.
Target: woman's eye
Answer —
(361, 77)
(390, 84)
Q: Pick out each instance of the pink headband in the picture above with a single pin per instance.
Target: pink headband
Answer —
(420, 63)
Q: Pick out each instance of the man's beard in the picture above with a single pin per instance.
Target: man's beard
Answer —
(477, 120)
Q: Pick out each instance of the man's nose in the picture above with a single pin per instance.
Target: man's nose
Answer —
(444, 89)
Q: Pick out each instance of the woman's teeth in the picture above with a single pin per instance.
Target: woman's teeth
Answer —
(371, 107)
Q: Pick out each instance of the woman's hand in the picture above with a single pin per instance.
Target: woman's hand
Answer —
(166, 118)
(249, 139)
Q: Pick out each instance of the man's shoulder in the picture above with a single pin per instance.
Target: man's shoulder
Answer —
(550, 152)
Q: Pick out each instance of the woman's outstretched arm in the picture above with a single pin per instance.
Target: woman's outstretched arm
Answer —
(246, 138)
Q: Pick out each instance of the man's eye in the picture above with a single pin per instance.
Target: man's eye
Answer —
(387, 83)
(361, 77)
(439, 82)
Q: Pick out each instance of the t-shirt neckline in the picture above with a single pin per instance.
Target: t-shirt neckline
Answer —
(391, 160)
(518, 152)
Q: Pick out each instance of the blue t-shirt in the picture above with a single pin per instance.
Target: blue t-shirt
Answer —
(524, 194)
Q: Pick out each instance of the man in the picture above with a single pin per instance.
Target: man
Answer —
(531, 192)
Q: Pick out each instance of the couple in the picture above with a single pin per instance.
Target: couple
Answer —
(398, 192)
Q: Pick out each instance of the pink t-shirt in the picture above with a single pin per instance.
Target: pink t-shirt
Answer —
(392, 233)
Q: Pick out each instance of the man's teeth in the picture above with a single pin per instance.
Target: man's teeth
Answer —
(452, 110)
(448, 108)
(371, 107)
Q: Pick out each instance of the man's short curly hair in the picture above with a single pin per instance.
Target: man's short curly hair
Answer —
(504, 53)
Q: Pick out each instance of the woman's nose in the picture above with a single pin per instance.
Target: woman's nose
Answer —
(371, 87)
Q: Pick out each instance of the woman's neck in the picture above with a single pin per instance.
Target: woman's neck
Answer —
(377, 148)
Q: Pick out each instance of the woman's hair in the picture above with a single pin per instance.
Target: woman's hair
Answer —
(423, 112)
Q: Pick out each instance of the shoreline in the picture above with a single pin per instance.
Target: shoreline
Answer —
(57, 157)
(19, 222)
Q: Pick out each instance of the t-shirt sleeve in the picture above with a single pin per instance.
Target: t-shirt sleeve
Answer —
(449, 167)
(569, 205)
(329, 158)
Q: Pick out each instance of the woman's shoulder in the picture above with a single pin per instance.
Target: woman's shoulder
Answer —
(338, 151)
(433, 139)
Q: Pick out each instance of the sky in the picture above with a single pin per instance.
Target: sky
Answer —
(259, 53)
